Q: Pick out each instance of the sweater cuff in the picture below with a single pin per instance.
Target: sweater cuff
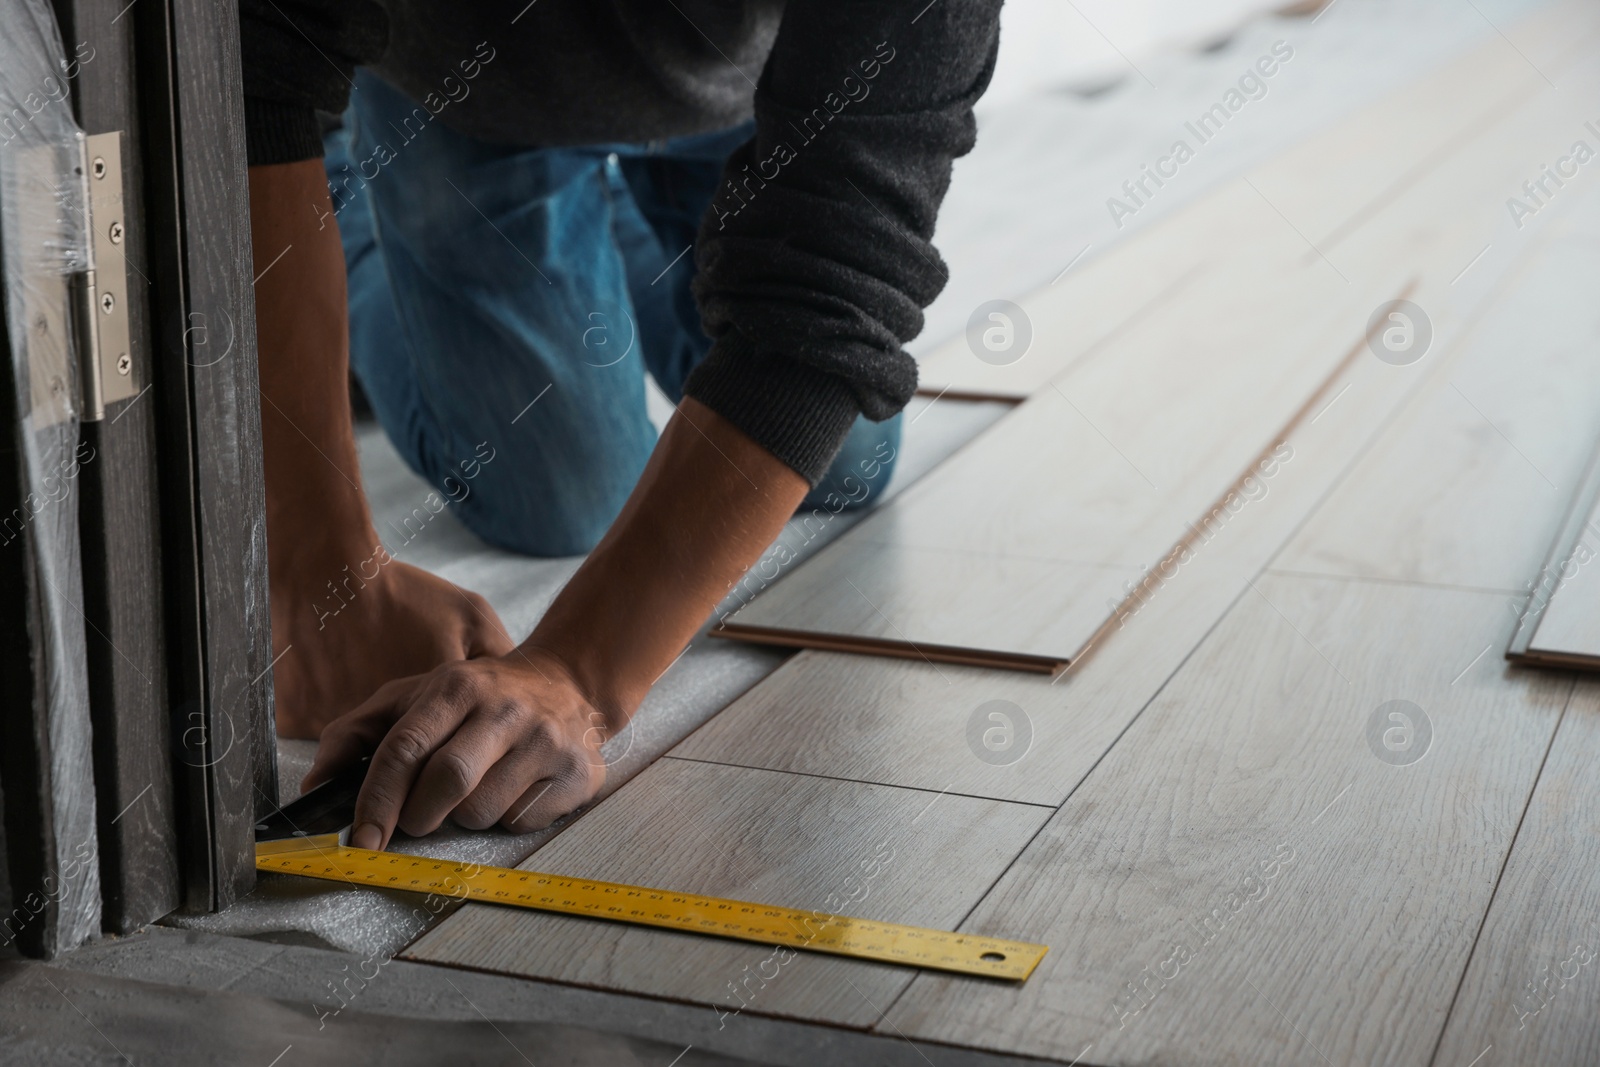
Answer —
(799, 414)
(276, 132)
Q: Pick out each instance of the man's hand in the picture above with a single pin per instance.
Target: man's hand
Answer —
(515, 739)
(508, 740)
(338, 651)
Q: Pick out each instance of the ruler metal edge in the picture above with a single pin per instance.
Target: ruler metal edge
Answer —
(766, 924)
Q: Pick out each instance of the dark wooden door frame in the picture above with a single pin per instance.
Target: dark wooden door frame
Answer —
(120, 532)
(172, 524)
(213, 505)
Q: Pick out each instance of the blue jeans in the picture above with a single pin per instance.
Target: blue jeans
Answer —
(506, 303)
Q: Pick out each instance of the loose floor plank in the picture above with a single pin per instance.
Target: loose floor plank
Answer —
(1077, 317)
(906, 856)
(1023, 542)
(1529, 994)
(1250, 876)
(1560, 626)
(905, 722)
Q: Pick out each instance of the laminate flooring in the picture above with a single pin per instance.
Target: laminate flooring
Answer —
(869, 851)
(1560, 624)
(1290, 805)
(1018, 550)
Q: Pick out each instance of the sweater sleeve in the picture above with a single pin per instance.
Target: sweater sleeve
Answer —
(815, 258)
(299, 57)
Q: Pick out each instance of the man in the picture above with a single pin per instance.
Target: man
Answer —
(518, 192)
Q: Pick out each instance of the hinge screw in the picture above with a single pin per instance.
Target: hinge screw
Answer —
(116, 233)
(107, 303)
(99, 166)
(124, 364)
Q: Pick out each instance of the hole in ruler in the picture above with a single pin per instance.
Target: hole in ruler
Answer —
(995, 957)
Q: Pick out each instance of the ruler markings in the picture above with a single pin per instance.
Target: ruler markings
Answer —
(766, 924)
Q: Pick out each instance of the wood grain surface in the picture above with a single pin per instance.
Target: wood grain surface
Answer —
(1245, 879)
(1024, 541)
(1529, 994)
(212, 491)
(1083, 313)
(121, 537)
(903, 855)
(1469, 486)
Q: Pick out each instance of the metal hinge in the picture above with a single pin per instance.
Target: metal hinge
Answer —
(101, 293)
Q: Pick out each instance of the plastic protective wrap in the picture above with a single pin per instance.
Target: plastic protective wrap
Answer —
(42, 245)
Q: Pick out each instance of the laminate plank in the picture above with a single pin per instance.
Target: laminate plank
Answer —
(1250, 875)
(1059, 504)
(1106, 467)
(868, 587)
(1528, 995)
(1562, 597)
(1099, 443)
(1078, 316)
(905, 723)
(1469, 486)
(1328, 185)
(907, 856)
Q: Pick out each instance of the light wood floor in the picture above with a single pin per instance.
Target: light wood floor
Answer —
(1021, 548)
(1291, 806)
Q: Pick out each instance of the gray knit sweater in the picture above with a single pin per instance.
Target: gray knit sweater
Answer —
(815, 260)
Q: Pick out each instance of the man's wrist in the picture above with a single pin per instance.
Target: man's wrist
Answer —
(586, 663)
(337, 557)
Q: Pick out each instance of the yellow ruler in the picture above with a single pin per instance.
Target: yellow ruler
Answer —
(913, 946)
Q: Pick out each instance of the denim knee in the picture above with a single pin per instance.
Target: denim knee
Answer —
(526, 503)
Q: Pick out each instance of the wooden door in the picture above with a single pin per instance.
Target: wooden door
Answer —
(160, 545)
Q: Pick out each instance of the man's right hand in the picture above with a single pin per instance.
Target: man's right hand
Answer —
(509, 739)
(337, 650)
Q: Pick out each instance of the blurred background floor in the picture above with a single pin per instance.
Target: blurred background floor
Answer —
(1085, 93)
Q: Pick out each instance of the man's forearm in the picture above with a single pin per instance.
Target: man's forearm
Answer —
(316, 514)
(709, 503)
